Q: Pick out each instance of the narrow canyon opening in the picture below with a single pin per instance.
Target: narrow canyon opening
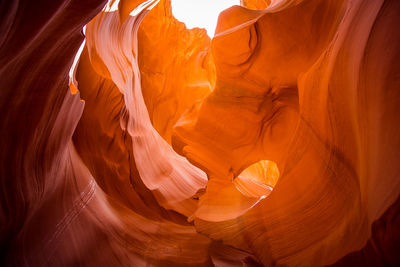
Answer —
(200, 14)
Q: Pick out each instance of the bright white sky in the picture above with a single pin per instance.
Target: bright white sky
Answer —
(200, 13)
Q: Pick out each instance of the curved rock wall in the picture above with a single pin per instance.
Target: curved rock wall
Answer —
(274, 143)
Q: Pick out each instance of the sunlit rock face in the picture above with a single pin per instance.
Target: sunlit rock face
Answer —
(274, 143)
(255, 4)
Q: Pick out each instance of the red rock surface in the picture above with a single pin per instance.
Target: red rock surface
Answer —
(274, 143)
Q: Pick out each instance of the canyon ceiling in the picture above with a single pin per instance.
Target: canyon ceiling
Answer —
(276, 143)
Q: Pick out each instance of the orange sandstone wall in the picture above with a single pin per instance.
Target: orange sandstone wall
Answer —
(274, 143)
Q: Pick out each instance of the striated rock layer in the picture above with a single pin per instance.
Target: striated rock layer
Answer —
(274, 143)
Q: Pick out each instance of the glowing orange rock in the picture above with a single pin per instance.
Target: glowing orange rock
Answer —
(275, 143)
(255, 4)
(294, 89)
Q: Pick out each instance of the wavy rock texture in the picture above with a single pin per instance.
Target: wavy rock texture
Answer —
(274, 143)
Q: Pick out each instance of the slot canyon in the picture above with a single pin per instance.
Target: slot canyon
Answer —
(129, 139)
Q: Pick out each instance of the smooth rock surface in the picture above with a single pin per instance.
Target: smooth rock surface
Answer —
(276, 143)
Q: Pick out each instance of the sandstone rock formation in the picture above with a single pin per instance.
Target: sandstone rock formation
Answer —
(274, 143)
